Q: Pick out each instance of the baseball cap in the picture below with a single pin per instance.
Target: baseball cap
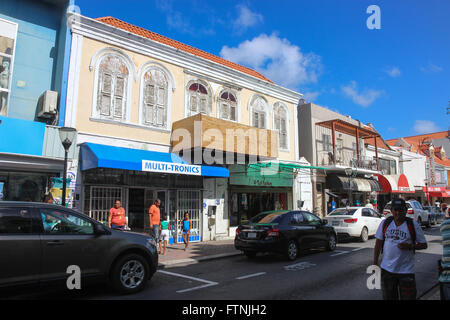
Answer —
(398, 204)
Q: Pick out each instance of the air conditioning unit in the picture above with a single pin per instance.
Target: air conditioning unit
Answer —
(47, 104)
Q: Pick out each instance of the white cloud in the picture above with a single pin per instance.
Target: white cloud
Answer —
(431, 68)
(276, 58)
(364, 98)
(393, 72)
(246, 18)
(425, 126)
(311, 96)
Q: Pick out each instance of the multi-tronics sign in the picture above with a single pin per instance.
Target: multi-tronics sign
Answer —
(170, 167)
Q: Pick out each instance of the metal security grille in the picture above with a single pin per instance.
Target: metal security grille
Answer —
(101, 200)
(189, 201)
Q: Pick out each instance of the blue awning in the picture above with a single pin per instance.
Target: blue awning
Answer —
(102, 156)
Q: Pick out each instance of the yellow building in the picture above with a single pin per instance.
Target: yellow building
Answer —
(142, 102)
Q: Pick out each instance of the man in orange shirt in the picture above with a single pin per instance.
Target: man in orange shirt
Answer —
(117, 219)
(155, 218)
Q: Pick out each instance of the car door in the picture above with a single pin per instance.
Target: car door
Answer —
(317, 230)
(377, 218)
(68, 239)
(20, 248)
(299, 230)
(369, 220)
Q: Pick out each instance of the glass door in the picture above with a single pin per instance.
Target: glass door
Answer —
(189, 201)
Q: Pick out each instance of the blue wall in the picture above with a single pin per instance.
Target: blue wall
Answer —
(21, 136)
(38, 59)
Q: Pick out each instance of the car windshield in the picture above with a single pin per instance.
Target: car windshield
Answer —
(267, 217)
(343, 212)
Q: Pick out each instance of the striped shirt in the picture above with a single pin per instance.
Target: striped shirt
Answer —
(445, 232)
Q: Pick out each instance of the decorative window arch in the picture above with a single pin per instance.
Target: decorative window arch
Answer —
(154, 102)
(281, 124)
(198, 98)
(227, 105)
(259, 112)
(112, 87)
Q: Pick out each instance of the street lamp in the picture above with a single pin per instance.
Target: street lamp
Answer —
(67, 136)
(351, 173)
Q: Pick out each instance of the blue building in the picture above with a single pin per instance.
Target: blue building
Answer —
(34, 62)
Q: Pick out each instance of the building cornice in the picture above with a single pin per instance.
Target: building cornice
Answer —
(108, 34)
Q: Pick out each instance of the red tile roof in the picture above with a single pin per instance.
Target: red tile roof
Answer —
(178, 45)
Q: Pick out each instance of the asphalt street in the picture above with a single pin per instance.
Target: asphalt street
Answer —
(315, 275)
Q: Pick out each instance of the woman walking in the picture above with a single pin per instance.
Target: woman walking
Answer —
(186, 230)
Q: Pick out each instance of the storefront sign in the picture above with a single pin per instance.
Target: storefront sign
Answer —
(243, 176)
(433, 189)
(169, 167)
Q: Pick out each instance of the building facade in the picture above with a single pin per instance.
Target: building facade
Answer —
(34, 55)
(159, 119)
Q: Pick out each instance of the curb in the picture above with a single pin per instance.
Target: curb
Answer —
(187, 261)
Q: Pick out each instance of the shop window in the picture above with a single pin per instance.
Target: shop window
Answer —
(8, 34)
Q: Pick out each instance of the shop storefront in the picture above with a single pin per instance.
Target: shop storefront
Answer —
(360, 189)
(393, 186)
(137, 178)
(253, 189)
(27, 178)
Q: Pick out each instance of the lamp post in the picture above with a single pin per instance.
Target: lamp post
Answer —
(67, 136)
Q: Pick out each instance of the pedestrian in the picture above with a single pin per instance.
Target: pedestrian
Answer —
(186, 230)
(368, 204)
(398, 237)
(48, 198)
(116, 218)
(444, 263)
(155, 218)
(164, 226)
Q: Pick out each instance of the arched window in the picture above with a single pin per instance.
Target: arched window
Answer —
(259, 112)
(280, 125)
(228, 106)
(113, 76)
(155, 98)
(199, 99)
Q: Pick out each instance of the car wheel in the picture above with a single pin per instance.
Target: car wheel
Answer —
(292, 250)
(364, 235)
(130, 274)
(250, 254)
(331, 242)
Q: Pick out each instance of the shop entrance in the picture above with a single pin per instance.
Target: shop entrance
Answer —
(139, 202)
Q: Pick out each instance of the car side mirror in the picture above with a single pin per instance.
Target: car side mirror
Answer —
(100, 230)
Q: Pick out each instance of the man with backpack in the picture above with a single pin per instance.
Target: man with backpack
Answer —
(398, 237)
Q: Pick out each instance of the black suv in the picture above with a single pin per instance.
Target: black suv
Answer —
(44, 243)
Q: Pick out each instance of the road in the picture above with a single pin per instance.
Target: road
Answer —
(315, 275)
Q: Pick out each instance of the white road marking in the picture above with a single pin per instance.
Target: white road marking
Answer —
(208, 283)
(251, 275)
(339, 253)
(357, 249)
(299, 266)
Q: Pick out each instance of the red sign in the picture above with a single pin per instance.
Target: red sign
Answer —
(433, 189)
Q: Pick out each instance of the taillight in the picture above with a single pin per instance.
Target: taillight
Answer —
(272, 233)
(238, 231)
(350, 220)
(410, 211)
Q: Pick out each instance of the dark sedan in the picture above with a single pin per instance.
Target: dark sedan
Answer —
(285, 232)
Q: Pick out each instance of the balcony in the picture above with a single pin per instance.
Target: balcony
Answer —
(346, 159)
(200, 132)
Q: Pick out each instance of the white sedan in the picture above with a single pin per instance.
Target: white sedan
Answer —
(358, 222)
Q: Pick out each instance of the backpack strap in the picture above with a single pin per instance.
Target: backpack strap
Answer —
(386, 224)
(412, 230)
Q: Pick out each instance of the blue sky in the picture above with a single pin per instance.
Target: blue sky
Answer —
(397, 77)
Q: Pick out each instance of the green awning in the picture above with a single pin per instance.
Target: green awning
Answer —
(282, 166)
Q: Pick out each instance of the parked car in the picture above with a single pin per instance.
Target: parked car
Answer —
(285, 232)
(357, 222)
(38, 242)
(415, 211)
(436, 214)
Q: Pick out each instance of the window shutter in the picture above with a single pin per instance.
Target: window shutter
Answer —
(233, 111)
(161, 107)
(262, 117)
(193, 103)
(104, 100)
(149, 104)
(203, 105)
(225, 111)
(119, 91)
(255, 119)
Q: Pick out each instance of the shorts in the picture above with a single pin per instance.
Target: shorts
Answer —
(185, 231)
(117, 227)
(164, 235)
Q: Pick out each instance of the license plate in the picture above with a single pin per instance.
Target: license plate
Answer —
(251, 235)
(336, 223)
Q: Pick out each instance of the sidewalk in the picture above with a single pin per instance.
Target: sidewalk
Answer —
(197, 252)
